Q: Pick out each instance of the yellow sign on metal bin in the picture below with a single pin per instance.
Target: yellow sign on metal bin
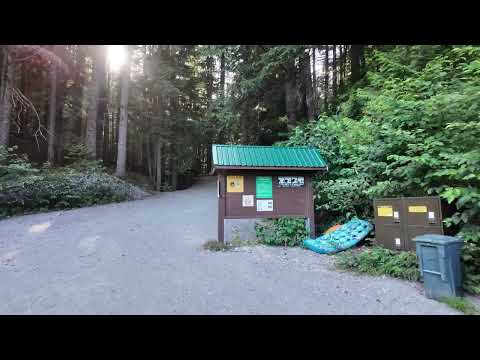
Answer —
(417, 209)
(385, 210)
(235, 184)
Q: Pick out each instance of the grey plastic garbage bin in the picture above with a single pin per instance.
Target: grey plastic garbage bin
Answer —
(439, 261)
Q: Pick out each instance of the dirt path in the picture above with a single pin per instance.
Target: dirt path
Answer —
(144, 257)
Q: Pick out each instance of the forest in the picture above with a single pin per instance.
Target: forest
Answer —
(78, 122)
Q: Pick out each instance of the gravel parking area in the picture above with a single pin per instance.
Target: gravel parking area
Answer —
(145, 257)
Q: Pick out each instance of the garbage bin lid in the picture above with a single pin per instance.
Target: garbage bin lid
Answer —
(436, 239)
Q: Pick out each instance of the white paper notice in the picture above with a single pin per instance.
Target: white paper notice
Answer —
(395, 214)
(397, 241)
(264, 205)
(431, 215)
(247, 200)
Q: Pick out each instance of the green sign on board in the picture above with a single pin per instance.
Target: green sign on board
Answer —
(264, 187)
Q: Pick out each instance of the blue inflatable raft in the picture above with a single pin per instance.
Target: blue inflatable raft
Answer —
(341, 239)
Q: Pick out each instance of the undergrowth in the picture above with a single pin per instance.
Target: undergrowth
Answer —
(282, 231)
(461, 304)
(380, 261)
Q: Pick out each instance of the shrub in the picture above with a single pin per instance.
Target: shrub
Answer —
(27, 189)
(283, 231)
(380, 261)
(14, 167)
(471, 258)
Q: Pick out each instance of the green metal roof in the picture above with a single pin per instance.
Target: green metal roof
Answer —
(266, 156)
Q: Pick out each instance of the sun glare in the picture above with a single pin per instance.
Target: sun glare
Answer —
(116, 56)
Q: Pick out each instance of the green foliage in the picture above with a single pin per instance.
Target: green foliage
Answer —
(380, 261)
(343, 190)
(14, 166)
(27, 189)
(411, 130)
(75, 153)
(461, 304)
(471, 258)
(77, 157)
(282, 231)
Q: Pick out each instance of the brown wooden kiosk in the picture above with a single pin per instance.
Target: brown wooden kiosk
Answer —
(265, 182)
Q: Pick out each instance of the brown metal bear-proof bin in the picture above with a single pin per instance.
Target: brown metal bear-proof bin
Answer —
(399, 220)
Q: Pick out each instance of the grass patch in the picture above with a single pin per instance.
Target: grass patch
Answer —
(380, 261)
(214, 245)
(460, 304)
(239, 243)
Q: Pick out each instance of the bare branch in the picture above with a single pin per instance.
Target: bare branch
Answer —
(18, 98)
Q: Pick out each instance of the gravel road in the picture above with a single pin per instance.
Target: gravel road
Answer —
(145, 257)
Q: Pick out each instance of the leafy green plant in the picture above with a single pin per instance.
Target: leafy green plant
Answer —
(14, 167)
(282, 231)
(380, 261)
(471, 258)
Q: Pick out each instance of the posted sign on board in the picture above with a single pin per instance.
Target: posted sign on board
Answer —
(264, 187)
(235, 184)
(385, 210)
(264, 205)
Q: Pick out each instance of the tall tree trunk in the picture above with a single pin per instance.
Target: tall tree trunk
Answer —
(101, 83)
(7, 73)
(309, 92)
(209, 157)
(222, 76)
(326, 78)
(210, 89)
(356, 54)
(173, 167)
(334, 74)
(300, 82)
(110, 119)
(52, 113)
(290, 94)
(210, 79)
(106, 138)
(122, 129)
(72, 121)
(93, 95)
(158, 166)
(62, 89)
(342, 68)
(314, 79)
(75, 130)
(149, 157)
